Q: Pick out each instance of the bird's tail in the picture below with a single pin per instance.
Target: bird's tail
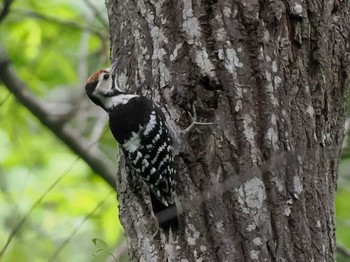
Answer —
(167, 215)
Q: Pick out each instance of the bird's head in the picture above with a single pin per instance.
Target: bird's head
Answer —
(101, 87)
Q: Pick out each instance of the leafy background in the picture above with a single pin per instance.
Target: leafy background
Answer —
(53, 45)
(51, 202)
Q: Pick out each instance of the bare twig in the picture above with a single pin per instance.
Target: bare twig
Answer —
(5, 9)
(66, 241)
(93, 157)
(98, 129)
(56, 20)
(35, 205)
(97, 13)
(71, 24)
(343, 251)
(119, 252)
(84, 51)
(3, 101)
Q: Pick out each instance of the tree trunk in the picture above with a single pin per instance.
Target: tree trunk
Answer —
(259, 185)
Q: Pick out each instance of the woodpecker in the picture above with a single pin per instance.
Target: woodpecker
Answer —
(145, 137)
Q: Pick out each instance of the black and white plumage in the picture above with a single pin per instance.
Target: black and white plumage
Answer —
(141, 129)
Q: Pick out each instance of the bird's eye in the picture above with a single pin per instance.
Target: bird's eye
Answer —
(105, 76)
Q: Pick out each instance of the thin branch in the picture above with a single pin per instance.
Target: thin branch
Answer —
(66, 241)
(98, 129)
(70, 24)
(343, 251)
(5, 9)
(84, 51)
(3, 101)
(59, 21)
(97, 13)
(35, 205)
(93, 157)
(119, 252)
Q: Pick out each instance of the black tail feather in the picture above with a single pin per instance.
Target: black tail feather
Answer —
(166, 215)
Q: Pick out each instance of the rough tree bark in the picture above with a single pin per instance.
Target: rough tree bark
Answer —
(272, 75)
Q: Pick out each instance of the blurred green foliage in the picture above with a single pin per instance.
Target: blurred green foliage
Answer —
(44, 40)
(343, 203)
